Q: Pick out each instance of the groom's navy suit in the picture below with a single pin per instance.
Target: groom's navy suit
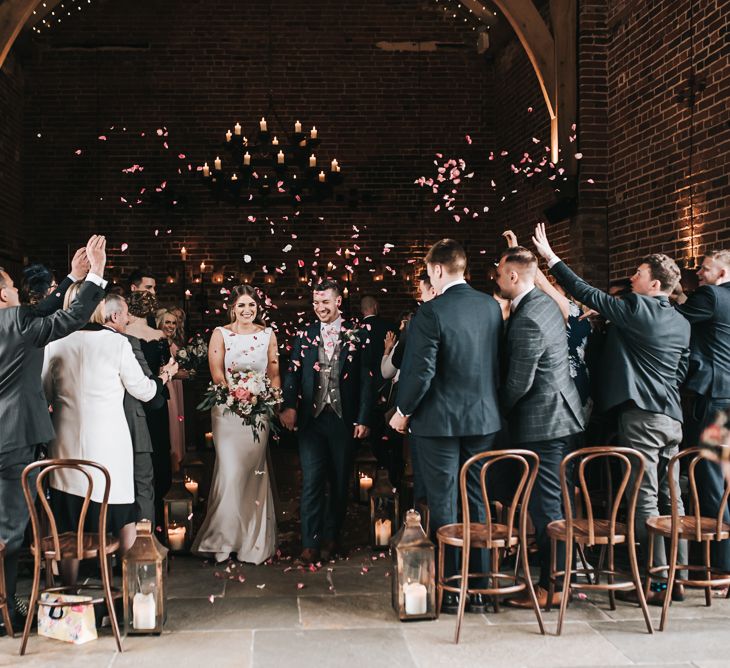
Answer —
(448, 387)
(325, 427)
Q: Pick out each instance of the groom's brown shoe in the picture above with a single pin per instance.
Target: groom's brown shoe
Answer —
(525, 601)
(309, 555)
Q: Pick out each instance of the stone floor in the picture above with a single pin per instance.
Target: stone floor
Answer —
(340, 615)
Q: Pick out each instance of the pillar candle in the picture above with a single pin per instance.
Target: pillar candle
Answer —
(313, 132)
(246, 158)
(297, 127)
(206, 169)
(183, 254)
(229, 135)
(262, 124)
(209, 439)
(237, 128)
(321, 177)
(366, 482)
(217, 163)
(416, 598)
(275, 141)
(192, 487)
(382, 532)
(176, 538)
(312, 160)
(144, 611)
(334, 165)
(234, 178)
(280, 157)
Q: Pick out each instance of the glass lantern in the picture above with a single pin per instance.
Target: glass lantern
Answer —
(179, 517)
(413, 577)
(384, 511)
(144, 575)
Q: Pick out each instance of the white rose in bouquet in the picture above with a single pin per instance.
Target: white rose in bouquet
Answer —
(255, 385)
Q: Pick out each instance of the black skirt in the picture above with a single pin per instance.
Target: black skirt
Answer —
(67, 510)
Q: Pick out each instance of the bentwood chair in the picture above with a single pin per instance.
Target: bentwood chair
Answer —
(489, 535)
(588, 531)
(70, 544)
(692, 527)
(3, 594)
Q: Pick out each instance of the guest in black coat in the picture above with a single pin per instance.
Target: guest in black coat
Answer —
(708, 379)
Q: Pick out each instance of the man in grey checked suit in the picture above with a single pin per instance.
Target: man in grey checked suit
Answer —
(538, 395)
(25, 423)
(645, 360)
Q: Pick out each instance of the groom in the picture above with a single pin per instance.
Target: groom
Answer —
(328, 399)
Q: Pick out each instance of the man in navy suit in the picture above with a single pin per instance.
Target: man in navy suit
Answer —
(328, 400)
(708, 311)
(447, 394)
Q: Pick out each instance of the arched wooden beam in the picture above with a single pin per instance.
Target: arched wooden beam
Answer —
(13, 16)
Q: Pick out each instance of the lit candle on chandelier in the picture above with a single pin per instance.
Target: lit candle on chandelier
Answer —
(246, 158)
(313, 132)
(280, 157)
(217, 163)
(262, 124)
(312, 160)
(297, 127)
(237, 128)
(206, 169)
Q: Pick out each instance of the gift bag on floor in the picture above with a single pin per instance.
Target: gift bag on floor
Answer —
(73, 623)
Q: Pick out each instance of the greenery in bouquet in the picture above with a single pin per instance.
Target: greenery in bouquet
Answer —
(194, 355)
(249, 395)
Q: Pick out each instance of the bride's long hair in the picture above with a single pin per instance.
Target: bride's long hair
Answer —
(255, 294)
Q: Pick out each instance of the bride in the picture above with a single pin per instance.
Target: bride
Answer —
(240, 515)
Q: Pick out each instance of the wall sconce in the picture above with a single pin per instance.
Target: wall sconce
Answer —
(270, 279)
(170, 279)
(246, 278)
(218, 278)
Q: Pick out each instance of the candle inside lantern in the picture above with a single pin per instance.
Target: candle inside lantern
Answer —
(206, 169)
(192, 487)
(246, 158)
(312, 160)
(321, 177)
(209, 439)
(217, 163)
(237, 128)
(382, 532)
(280, 157)
(313, 132)
(297, 127)
(183, 254)
(275, 141)
(334, 165)
(144, 611)
(176, 537)
(416, 598)
(366, 482)
(262, 124)
(228, 135)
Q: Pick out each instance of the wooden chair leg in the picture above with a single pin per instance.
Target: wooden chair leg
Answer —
(611, 565)
(708, 573)
(4, 602)
(32, 603)
(106, 581)
(518, 556)
(584, 563)
(464, 582)
(493, 579)
(636, 577)
(649, 563)
(670, 581)
(49, 573)
(529, 585)
(440, 578)
(553, 570)
(566, 584)
(601, 561)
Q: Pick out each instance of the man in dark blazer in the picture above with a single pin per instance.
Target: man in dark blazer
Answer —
(708, 311)
(644, 362)
(447, 394)
(25, 423)
(328, 399)
(538, 395)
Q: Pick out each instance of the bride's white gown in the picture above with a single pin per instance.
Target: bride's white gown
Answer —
(241, 516)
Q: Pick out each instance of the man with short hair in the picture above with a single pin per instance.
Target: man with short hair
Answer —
(328, 398)
(539, 397)
(26, 423)
(142, 280)
(645, 361)
(708, 311)
(447, 395)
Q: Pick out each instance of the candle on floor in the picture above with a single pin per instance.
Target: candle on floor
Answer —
(176, 538)
(209, 439)
(237, 128)
(144, 612)
(297, 127)
(382, 532)
(262, 124)
(192, 487)
(366, 482)
(416, 598)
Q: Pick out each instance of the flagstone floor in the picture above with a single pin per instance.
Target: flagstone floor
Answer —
(339, 615)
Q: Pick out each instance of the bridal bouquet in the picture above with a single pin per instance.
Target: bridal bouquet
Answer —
(249, 395)
(194, 355)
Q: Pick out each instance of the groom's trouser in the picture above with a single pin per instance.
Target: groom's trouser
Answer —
(326, 451)
(439, 461)
(13, 510)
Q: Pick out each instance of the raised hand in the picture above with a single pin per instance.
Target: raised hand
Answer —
(80, 264)
(96, 252)
(389, 343)
(541, 242)
(510, 238)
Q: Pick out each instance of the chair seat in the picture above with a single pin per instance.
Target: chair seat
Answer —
(601, 531)
(688, 526)
(453, 534)
(67, 543)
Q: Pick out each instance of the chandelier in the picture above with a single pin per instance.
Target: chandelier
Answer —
(274, 168)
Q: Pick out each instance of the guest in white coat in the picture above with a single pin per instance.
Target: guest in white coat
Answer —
(85, 377)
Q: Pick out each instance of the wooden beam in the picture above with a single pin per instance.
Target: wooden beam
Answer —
(537, 41)
(565, 29)
(13, 16)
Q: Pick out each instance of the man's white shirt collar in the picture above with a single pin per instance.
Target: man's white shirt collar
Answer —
(516, 301)
(458, 281)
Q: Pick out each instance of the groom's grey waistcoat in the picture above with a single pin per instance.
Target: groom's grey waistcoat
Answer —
(328, 381)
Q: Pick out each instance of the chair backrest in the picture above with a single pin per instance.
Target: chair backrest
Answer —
(630, 461)
(527, 463)
(48, 466)
(716, 454)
